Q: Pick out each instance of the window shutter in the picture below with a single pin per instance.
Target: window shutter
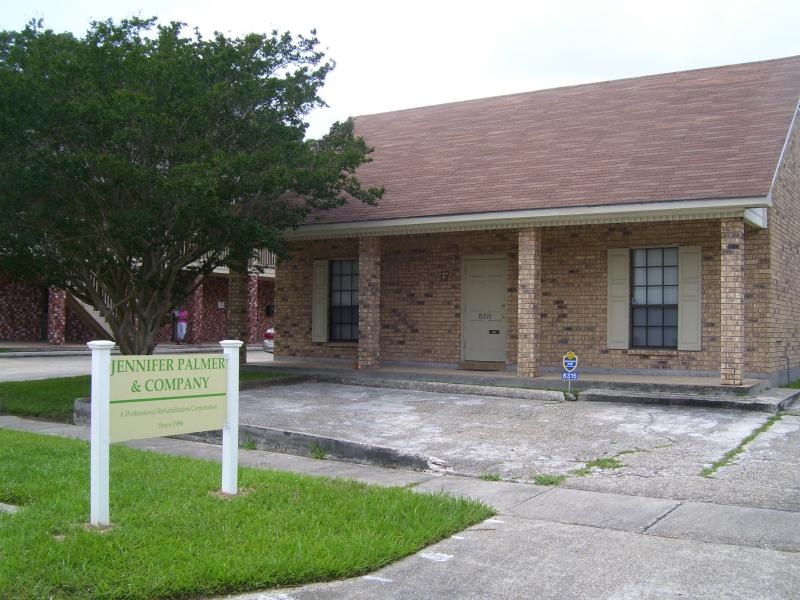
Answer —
(690, 268)
(619, 298)
(319, 301)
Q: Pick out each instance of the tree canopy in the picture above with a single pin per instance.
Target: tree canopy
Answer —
(136, 159)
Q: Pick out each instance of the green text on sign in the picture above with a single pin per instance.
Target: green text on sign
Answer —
(159, 396)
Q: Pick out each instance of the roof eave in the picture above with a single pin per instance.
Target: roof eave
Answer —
(751, 209)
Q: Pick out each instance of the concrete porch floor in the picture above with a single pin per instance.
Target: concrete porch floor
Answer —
(644, 382)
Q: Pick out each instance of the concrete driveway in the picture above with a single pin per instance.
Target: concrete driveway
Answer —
(660, 450)
(652, 528)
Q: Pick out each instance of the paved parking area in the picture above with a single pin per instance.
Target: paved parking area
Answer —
(661, 449)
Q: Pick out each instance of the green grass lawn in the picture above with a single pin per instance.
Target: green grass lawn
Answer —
(173, 538)
(53, 399)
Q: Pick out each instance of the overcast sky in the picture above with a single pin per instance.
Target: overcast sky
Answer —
(393, 55)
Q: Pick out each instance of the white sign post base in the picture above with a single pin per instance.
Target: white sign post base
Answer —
(101, 373)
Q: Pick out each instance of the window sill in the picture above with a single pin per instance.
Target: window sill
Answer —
(339, 344)
(653, 351)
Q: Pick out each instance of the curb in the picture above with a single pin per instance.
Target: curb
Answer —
(303, 444)
(300, 444)
(442, 387)
(748, 403)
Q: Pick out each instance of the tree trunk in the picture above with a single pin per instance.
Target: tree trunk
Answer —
(134, 338)
(237, 308)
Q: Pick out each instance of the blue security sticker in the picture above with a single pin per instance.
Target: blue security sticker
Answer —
(570, 361)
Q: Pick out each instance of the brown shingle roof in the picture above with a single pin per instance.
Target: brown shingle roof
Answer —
(708, 133)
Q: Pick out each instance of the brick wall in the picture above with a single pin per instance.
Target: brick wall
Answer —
(195, 330)
(56, 316)
(215, 321)
(21, 311)
(369, 303)
(574, 293)
(164, 336)
(529, 304)
(782, 337)
(421, 295)
(75, 331)
(731, 300)
(758, 343)
(293, 300)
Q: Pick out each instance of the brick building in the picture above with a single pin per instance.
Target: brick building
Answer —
(647, 224)
(36, 314)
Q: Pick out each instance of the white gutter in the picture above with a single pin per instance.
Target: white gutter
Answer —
(747, 208)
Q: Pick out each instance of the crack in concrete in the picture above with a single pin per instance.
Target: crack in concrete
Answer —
(651, 421)
(658, 519)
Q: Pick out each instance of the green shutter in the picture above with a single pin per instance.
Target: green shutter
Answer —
(619, 298)
(319, 314)
(690, 312)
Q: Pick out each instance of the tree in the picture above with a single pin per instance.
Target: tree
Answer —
(136, 159)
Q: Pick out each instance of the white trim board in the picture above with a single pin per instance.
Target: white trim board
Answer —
(750, 209)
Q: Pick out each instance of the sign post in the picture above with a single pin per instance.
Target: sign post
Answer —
(136, 397)
(99, 432)
(230, 432)
(570, 363)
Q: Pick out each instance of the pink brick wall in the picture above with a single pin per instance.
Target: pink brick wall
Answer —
(21, 311)
(22, 314)
(214, 318)
(75, 331)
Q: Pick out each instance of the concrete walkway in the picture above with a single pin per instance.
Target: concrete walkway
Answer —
(549, 542)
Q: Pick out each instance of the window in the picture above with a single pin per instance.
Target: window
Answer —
(654, 298)
(343, 304)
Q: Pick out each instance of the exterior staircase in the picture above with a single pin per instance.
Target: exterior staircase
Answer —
(90, 317)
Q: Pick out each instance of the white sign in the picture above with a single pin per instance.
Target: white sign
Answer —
(155, 388)
(153, 396)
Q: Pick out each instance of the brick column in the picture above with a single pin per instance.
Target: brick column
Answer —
(195, 331)
(731, 352)
(369, 303)
(56, 316)
(529, 299)
(254, 311)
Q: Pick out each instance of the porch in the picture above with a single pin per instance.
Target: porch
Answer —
(557, 288)
(652, 388)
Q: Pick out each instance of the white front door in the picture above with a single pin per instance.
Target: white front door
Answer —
(483, 318)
